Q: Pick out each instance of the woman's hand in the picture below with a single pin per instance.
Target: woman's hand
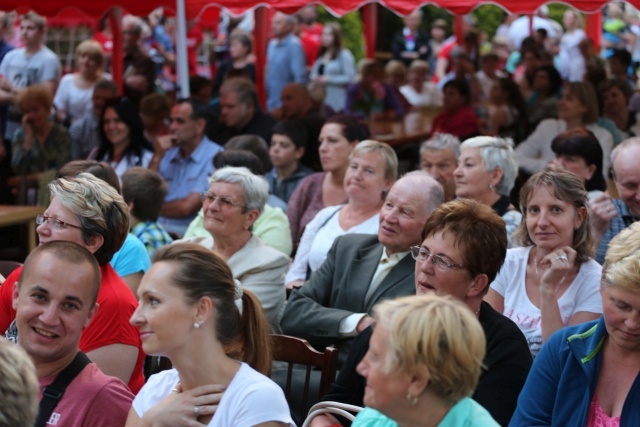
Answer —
(558, 264)
(178, 408)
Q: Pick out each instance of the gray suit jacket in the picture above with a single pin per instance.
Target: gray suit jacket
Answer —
(338, 289)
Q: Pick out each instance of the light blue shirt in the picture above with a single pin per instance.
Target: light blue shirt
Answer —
(286, 64)
(466, 413)
(186, 175)
(131, 258)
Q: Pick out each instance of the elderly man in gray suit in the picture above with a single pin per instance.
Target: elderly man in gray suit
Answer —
(333, 306)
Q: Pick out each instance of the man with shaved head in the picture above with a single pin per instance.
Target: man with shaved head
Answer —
(55, 299)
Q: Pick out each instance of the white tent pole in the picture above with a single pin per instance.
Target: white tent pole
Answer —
(181, 50)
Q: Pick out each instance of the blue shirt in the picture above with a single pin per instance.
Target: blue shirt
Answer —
(286, 64)
(131, 258)
(186, 175)
(616, 225)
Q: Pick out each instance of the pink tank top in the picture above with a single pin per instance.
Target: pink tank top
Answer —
(597, 416)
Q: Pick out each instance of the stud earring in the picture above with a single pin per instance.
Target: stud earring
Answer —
(198, 324)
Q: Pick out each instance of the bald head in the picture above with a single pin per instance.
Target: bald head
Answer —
(296, 101)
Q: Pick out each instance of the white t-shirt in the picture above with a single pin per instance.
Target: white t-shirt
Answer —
(250, 399)
(571, 63)
(318, 237)
(429, 97)
(127, 162)
(583, 294)
(73, 100)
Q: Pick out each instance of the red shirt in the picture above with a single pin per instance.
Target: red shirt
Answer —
(461, 123)
(109, 326)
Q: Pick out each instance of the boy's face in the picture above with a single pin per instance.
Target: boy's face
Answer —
(283, 151)
(616, 67)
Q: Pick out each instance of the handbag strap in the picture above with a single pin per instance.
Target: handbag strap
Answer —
(52, 393)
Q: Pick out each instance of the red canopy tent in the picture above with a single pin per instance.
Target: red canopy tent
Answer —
(190, 9)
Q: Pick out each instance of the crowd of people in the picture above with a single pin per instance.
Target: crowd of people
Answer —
(494, 284)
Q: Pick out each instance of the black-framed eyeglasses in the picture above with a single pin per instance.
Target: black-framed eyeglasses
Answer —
(57, 224)
(223, 202)
(422, 254)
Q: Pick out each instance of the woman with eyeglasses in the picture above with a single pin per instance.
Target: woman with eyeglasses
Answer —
(453, 260)
(552, 281)
(233, 203)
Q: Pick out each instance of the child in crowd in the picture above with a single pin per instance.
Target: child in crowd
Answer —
(286, 149)
(143, 191)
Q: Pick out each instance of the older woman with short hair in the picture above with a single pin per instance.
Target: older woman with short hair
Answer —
(486, 172)
(453, 260)
(373, 168)
(233, 203)
(424, 361)
(587, 374)
(552, 281)
(578, 108)
(88, 211)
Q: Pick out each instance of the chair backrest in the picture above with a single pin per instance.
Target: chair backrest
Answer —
(7, 267)
(296, 351)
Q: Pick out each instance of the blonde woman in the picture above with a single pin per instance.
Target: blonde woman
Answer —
(424, 360)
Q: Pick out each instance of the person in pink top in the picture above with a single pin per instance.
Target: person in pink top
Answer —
(54, 301)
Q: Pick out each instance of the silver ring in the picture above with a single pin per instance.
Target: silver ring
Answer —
(174, 390)
(563, 257)
(196, 411)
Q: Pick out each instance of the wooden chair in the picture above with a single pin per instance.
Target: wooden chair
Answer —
(7, 267)
(296, 351)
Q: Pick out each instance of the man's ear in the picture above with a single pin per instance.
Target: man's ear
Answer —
(201, 125)
(92, 313)
(16, 294)
(299, 152)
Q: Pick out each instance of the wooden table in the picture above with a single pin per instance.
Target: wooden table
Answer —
(16, 215)
(414, 127)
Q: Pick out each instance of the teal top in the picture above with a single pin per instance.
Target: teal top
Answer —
(466, 413)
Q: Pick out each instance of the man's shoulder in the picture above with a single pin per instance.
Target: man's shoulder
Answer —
(357, 241)
(207, 147)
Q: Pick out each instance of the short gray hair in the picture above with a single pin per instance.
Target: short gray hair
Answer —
(255, 189)
(627, 143)
(442, 141)
(496, 153)
(18, 386)
(432, 189)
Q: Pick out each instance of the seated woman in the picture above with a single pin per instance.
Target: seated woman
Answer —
(552, 281)
(423, 363)
(122, 141)
(578, 108)
(615, 95)
(370, 97)
(418, 91)
(543, 101)
(457, 117)
(486, 172)
(73, 97)
(396, 77)
(373, 168)
(587, 375)
(187, 313)
(506, 110)
(459, 232)
(40, 145)
(579, 152)
(234, 201)
(338, 137)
